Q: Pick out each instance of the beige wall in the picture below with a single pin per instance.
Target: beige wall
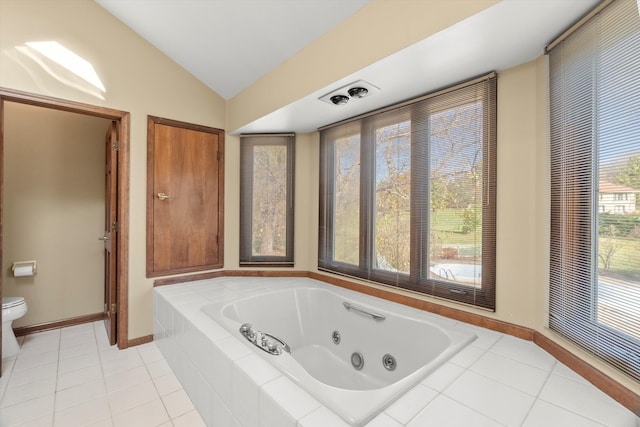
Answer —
(141, 80)
(138, 79)
(54, 211)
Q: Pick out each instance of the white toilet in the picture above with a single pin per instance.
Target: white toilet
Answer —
(12, 308)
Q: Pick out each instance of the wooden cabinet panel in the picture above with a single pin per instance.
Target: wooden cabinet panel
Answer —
(185, 193)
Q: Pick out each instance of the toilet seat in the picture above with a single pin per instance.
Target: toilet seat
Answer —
(9, 302)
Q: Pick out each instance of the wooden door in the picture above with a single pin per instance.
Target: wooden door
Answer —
(122, 194)
(185, 197)
(110, 232)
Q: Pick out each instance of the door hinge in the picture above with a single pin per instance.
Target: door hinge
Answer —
(115, 145)
(114, 227)
(114, 308)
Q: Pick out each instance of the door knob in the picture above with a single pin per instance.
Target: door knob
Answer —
(103, 238)
(162, 196)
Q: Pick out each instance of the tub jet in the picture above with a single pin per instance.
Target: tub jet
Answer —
(357, 360)
(389, 362)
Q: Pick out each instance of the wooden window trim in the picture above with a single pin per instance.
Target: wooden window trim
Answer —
(247, 143)
(416, 280)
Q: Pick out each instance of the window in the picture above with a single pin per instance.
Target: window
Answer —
(266, 199)
(407, 195)
(595, 138)
(622, 196)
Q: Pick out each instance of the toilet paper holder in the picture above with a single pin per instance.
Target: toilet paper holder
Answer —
(24, 268)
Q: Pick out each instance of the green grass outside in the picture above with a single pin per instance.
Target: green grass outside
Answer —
(448, 225)
(625, 261)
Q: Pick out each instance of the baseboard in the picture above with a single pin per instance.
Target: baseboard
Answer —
(617, 391)
(57, 324)
(188, 278)
(266, 273)
(140, 340)
(228, 273)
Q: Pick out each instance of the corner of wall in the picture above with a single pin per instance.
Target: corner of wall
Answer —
(542, 192)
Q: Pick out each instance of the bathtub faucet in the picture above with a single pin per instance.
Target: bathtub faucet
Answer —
(264, 341)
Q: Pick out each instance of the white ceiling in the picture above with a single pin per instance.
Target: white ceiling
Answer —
(265, 33)
(229, 44)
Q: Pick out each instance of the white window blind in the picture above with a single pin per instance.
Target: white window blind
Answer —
(595, 186)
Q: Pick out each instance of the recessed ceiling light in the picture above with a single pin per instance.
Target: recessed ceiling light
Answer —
(358, 92)
(354, 90)
(339, 99)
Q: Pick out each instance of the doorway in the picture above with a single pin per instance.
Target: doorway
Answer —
(116, 281)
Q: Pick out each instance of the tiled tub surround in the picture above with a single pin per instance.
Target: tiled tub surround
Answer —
(497, 380)
(393, 352)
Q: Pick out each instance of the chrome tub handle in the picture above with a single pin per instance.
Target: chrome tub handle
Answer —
(264, 341)
(375, 316)
(283, 345)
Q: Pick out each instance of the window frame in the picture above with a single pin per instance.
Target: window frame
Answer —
(418, 279)
(247, 144)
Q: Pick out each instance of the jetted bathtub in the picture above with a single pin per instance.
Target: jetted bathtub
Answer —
(355, 357)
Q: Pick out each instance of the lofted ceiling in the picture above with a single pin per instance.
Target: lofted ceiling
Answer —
(229, 44)
(265, 33)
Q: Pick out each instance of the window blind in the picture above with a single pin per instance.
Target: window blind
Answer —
(266, 199)
(595, 186)
(407, 195)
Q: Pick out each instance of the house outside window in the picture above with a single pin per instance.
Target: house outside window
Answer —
(616, 197)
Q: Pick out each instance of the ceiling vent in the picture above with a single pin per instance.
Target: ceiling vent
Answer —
(350, 92)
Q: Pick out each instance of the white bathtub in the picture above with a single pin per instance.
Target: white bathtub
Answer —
(306, 317)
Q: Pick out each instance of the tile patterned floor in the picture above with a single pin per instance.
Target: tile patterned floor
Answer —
(71, 377)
